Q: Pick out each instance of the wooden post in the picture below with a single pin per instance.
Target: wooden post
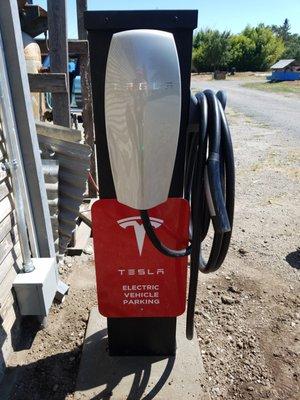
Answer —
(59, 58)
(81, 7)
(86, 90)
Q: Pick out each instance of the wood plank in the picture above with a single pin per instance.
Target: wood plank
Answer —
(82, 236)
(88, 117)
(75, 47)
(58, 132)
(3, 154)
(6, 225)
(80, 240)
(8, 243)
(78, 47)
(2, 147)
(7, 325)
(53, 82)
(33, 20)
(6, 305)
(86, 218)
(5, 188)
(12, 260)
(83, 231)
(5, 290)
(58, 46)
(86, 90)
(6, 207)
(85, 212)
(3, 175)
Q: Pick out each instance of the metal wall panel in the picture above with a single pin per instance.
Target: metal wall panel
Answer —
(51, 171)
(74, 165)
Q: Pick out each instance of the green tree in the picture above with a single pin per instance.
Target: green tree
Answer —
(291, 41)
(241, 47)
(255, 49)
(197, 40)
(210, 50)
(198, 60)
(292, 48)
(283, 31)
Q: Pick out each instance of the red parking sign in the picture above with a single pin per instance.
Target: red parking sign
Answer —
(133, 278)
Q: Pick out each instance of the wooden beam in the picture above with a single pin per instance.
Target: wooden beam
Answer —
(58, 132)
(78, 47)
(75, 47)
(85, 219)
(54, 83)
(58, 45)
(81, 7)
(33, 20)
(86, 90)
(88, 117)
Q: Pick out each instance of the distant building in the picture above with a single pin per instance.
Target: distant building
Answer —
(285, 70)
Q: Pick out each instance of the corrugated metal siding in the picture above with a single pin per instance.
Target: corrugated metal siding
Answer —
(74, 164)
(50, 171)
(10, 260)
(71, 162)
(282, 64)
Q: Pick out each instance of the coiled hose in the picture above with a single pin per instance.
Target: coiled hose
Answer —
(209, 187)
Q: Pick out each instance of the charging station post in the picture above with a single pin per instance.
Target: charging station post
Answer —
(166, 170)
(139, 335)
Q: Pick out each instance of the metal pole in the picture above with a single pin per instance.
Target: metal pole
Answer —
(15, 162)
(37, 209)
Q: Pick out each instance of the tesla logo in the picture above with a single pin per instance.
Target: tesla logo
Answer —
(139, 229)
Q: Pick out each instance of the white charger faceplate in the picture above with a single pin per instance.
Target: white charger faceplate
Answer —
(142, 115)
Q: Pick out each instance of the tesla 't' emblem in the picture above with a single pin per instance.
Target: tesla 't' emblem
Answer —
(139, 229)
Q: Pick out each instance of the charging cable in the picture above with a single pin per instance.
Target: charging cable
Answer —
(209, 187)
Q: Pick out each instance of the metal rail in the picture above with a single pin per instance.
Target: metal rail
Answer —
(42, 244)
(14, 164)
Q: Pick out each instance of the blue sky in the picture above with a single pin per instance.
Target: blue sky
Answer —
(231, 15)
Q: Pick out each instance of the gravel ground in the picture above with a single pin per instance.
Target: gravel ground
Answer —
(48, 370)
(247, 316)
(277, 110)
(248, 313)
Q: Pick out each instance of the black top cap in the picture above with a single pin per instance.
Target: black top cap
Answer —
(148, 19)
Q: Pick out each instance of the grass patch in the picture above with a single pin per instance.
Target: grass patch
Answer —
(276, 87)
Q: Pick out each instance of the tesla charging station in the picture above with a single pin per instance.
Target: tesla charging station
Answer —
(166, 172)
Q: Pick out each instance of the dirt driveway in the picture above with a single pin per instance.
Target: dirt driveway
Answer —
(281, 111)
(247, 314)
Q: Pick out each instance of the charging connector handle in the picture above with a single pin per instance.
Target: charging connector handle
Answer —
(209, 162)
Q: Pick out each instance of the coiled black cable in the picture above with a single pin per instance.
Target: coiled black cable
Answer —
(209, 187)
